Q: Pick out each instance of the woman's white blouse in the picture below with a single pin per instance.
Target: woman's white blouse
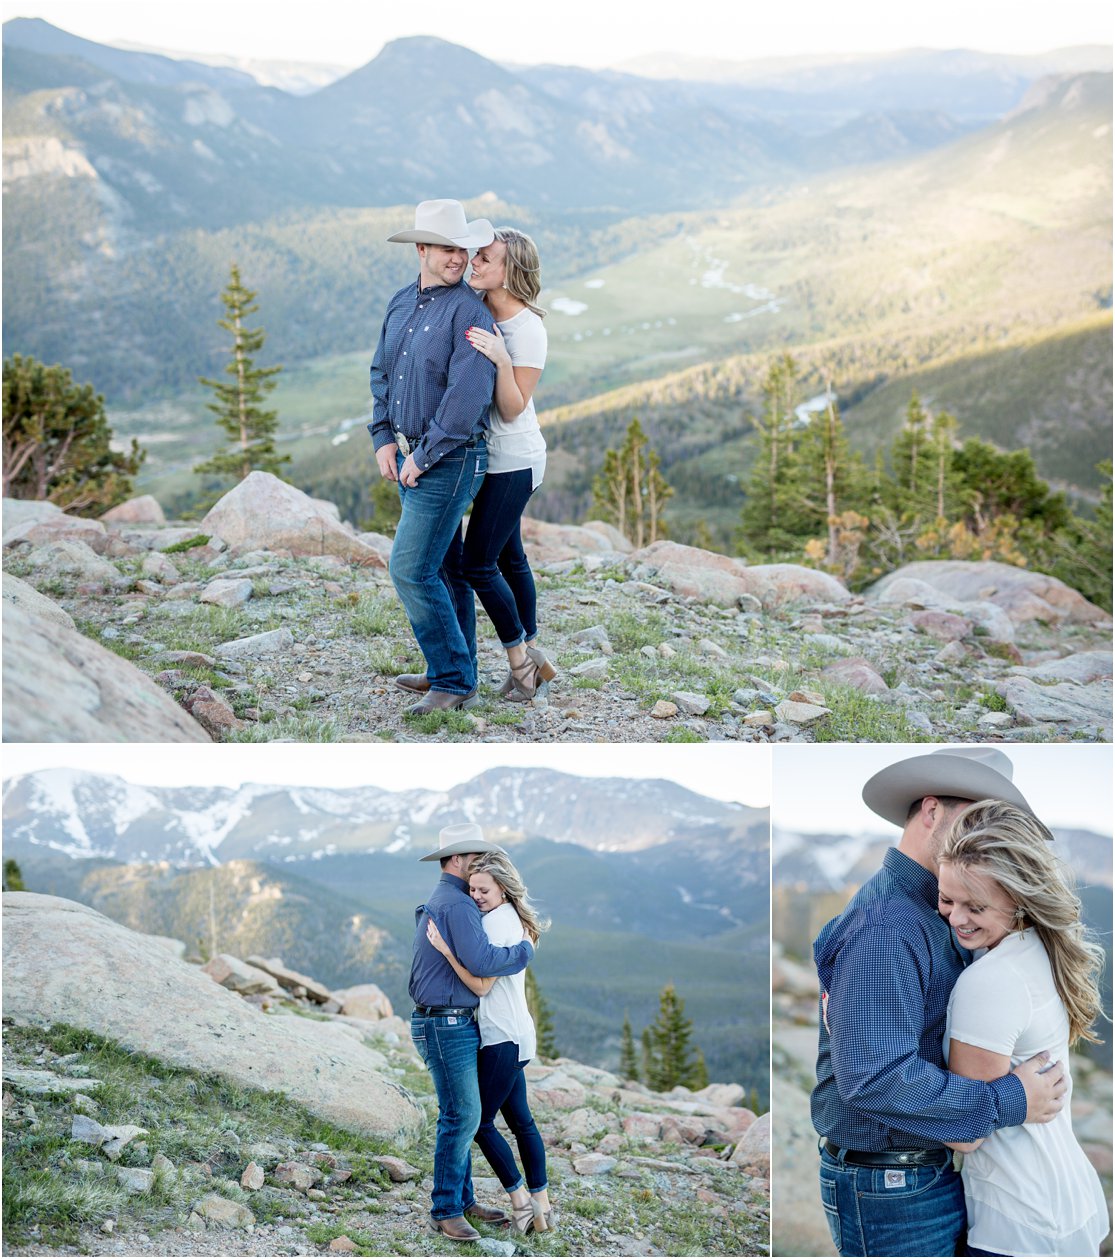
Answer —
(517, 444)
(1030, 1190)
(503, 1013)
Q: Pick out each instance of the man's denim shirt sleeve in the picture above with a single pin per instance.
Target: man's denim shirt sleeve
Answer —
(463, 929)
(380, 427)
(876, 1015)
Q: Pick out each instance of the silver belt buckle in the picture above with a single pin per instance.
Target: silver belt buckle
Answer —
(403, 444)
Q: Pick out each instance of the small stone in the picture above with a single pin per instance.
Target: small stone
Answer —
(223, 1211)
(994, 720)
(708, 648)
(919, 721)
(136, 1179)
(399, 1170)
(305, 677)
(596, 637)
(692, 703)
(592, 669)
(252, 1177)
(108, 1225)
(663, 710)
(651, 653)
(761, 717)
(298, 1175)
(666, 651)
(317, 1195)
(952, 653)
(212, 712)
(196, 1224)
(808, 697)
(797, 713)
(161, 1164)
(343, 1245)
(943, 626)
(227, 592)
(593, 1164)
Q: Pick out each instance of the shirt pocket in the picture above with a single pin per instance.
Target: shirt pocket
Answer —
(433, 348)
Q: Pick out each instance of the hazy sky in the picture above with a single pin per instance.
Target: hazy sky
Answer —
(577, 32)
(722, 771)
(817, 786)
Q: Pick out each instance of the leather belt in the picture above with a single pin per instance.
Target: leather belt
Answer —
(890, 1158)
(445, 1011)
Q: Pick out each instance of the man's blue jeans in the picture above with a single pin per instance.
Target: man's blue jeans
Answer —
(443, 620)
(892, 1211)
(448, 1047)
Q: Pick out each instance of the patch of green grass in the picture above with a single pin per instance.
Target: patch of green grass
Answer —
(451, 719)
(187, 544)
(299, 729)
(993, 701)
(587, 684)
(682, 734)
(629, 630)
(118, 646)
(590, 1208)
(374, 616)
(206, 627)
(387, 662)
(856, 718)
(505, 717)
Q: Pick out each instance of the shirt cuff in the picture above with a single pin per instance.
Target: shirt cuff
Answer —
(1011, 1097)
(381, 436)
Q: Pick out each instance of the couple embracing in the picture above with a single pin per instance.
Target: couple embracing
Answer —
(473, 939)
(952, 988)
(454, 425)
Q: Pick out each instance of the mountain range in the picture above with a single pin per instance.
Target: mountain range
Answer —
(644, 881)
(920, 219)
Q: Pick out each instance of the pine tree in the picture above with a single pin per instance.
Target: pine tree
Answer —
(57, 442)
(698, 1078)
(670, 1035)
(239, 406)
(13, 876)
(630, 491)
(765, 529)
(649, 1067)
(628, 1062)
(543, 1019)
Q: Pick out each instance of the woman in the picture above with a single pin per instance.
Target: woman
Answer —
(507, 274)
(1029, 1190)
(507, 1040)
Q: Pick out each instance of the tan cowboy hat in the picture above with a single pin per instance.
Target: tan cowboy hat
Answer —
(443, 223)
(966, 772)
(466, 837)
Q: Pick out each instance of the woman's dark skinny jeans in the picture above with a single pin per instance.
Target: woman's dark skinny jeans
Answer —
(493, 561)
(503, 1090)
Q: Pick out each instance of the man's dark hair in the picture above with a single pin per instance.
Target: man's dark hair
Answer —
(445, 861)
(950, 802)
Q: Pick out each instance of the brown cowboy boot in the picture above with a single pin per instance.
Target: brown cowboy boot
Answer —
(442, 701)
(456, 1228)
(418, 683)
(488, 1215)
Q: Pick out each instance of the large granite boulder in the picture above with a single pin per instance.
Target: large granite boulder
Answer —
(1023, 595)
(19, 594)
(144, 510)
(263, 513)
(66, 963)
(691, 572)
(547, 543)
(60, 687)
(38, 523)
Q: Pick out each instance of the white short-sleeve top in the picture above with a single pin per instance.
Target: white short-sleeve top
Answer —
(503, 1013)
(517, 444)
(1030, 1190)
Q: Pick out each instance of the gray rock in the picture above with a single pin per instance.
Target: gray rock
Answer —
(227, 592)
(45, 1083)
(21, 594)
(73, 559)
(158, 566)
(256, 645)
(144, 510)
(593, 1164)
(1082, 667)
(136, 1179)
(692, 703)
(64, 962)
(594, 669)
(596, 637)
(491, 1246)
(221, 1211)
(252, 1177)
(60, 687)
(1066, 703)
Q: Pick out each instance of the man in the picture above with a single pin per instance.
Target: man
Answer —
(884, 1104)
(443, 1025)
(432, 392)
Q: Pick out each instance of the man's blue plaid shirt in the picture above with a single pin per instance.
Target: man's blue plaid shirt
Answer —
(887, 965)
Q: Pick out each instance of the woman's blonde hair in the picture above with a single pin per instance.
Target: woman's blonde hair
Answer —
(522, 276)
(499, 866)
(1011, 846)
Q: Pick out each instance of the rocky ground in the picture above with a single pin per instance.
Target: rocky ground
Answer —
(115, 1144)
(255, 639)
(799, 1223)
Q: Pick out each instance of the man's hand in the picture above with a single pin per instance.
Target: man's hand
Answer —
(1045, 1093)
(385, 457)
(410, 472)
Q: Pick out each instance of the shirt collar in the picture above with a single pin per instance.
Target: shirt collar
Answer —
(454, 881)
(436, 288)
(915, 878)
